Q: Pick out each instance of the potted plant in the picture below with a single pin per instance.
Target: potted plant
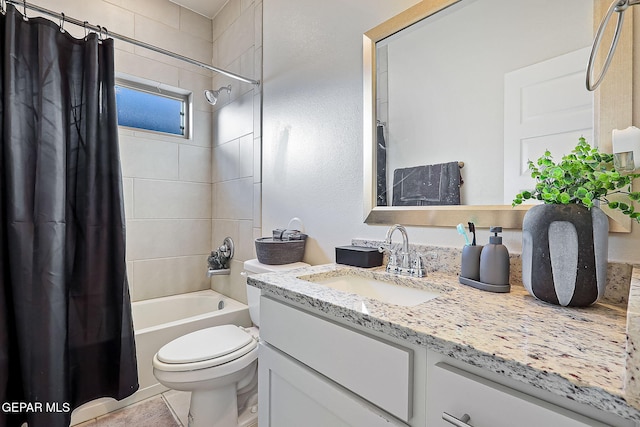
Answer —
(565, 239)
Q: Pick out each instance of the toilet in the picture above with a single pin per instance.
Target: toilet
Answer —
(219, 365)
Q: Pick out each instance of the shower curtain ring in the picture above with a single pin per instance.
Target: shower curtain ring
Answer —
(24, 10)
(62, 22)
(106, 33)
(86, 32)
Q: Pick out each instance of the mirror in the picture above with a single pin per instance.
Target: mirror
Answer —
(416, 57)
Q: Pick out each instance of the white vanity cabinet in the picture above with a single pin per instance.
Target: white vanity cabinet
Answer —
(314, 371)
(320, 371)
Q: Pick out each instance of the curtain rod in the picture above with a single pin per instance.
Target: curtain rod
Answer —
(64, 18)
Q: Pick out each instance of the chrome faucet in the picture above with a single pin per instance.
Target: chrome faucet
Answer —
(407, 266)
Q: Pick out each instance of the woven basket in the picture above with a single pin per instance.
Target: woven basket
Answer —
(278, 252)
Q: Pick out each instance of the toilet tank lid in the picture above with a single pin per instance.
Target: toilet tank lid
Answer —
(254, 266)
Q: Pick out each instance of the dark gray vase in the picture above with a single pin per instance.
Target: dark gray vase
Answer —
(565, 254)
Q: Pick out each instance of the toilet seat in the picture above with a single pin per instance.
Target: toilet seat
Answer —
(205, 348)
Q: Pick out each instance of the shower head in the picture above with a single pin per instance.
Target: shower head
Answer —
(212, 95)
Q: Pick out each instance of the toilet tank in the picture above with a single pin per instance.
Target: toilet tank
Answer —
(253, 266)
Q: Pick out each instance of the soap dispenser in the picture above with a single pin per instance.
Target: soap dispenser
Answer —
(494, 260)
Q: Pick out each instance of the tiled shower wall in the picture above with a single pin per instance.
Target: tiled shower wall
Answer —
(236, 175)
(167, 180)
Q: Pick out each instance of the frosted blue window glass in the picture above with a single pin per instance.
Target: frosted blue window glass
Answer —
(144, 110)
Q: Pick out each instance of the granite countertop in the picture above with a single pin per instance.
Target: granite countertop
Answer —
(578, 353)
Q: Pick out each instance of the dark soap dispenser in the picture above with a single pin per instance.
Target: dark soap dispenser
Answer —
(494, 260)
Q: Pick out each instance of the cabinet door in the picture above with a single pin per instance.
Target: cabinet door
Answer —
(292, 395)
(468, 400)
(376, 370)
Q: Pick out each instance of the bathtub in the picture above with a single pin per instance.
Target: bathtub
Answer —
(158, 321)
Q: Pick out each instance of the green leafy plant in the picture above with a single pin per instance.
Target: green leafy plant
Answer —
(582, 177)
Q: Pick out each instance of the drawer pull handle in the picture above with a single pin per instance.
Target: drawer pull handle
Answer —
(458, 422)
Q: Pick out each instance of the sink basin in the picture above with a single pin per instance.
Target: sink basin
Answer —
(376, 289)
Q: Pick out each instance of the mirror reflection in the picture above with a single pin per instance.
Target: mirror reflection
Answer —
(466, 96)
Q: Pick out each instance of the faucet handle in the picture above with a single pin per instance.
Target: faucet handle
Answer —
(417, 266)
(392, 265)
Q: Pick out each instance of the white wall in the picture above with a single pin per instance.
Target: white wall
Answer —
(167, 180)
(312, 118)
(312, 127)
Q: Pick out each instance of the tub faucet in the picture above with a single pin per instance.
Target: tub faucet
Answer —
(218, 261)
(407, 266)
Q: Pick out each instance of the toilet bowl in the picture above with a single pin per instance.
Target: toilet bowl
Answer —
(218, 365)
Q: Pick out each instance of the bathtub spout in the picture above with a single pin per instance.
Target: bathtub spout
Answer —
(218, 272)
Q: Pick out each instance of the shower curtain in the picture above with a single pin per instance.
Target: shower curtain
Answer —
(66, 334)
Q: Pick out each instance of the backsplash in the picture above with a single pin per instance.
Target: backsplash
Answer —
(447, 260)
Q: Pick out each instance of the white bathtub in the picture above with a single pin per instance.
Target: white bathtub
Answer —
(158, 321)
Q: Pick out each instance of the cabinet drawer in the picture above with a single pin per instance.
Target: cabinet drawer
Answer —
(378, 371)
(458, 393)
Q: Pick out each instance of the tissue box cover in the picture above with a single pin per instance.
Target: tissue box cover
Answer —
(358, 256)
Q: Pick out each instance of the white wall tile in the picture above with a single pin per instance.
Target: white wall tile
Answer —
(143, 158)
(236, 202)
(173, 61)
(163, 238)
(257, 114)
(257, 205)
(196, 24)
(146, 68)
(233, 121)
(234, 199)
(226, 161)
(246, 156)
(201, 134)
(245, 245)
(224, 228)
(170, 276)
(127, 191)
(171, 199)
(101, 13)
(130, 276)
(237, 39)
(245, 4)
(258, 25)
(195, 163)
(226, 17)
(162, 11)
(257, 160)
(171, 39)
(233, 285)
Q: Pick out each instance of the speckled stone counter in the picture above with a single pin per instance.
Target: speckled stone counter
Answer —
(578, 353)
(632, 374)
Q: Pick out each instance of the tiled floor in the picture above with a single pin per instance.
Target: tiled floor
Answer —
(169, 409)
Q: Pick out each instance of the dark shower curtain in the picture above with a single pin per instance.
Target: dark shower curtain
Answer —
(66, 335)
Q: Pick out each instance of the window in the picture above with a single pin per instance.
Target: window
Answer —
(153, 108)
